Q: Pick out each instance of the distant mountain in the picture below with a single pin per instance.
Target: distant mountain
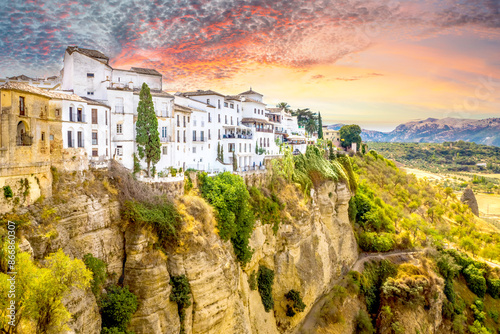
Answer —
(433, 130)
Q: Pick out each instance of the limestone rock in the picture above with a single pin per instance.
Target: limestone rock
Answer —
(469, 198)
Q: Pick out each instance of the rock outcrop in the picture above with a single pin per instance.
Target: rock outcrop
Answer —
(469, 198)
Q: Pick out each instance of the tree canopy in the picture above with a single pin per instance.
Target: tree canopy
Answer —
(147, 135)
(350, 134)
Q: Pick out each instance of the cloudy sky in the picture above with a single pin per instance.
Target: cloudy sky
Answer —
(375, 63)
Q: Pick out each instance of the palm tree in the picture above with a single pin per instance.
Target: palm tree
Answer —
(311, 126)
(284, 105)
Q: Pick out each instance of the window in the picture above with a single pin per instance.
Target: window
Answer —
(94, 116)
(219, 103)
(194, 121)
(194, 149)
(184, 136)
(119, 150)
(225, 119)
(231, 147)
(240, 148)
(70, 139)
(254, 110)
(164, 132)
(178, 136)
(90, 75)
(164, 150)
(79, 115)
(79, 137)
(178, 121)
(202, 135)
(209, 136)
(237, 108)
(249, 147)
(208, 101)
(90, 93)
(231, 120)
(209, 118)
(71, 116)
(219, 133)
(232, 105)
(95, 152)
(94, 137)
(194, 135)
(106, 117)
(51, 137)
(119, 128)
(219, 117)
(245, 147)
(43, 136)
(184, 118)
(226, 104)
(188, 119)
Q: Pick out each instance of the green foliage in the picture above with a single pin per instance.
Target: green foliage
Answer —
(188, 183)
(252, 281)
(235, 162)
(346, 163)
(376, 242)
(371, 281)
(297, 303)
(320, 127)
(40, 291)
(475, 280)
(181, 295)
(99, 271)
(147, 135)
(265, 284)
(7, 192)
(117, 308)
(266, 208)
(493, 314)
(350, 134)
(363, 324)
(493, 287)
(228, 194)
(163, 218)
(137, 164)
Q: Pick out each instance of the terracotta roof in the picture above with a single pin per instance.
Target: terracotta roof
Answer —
(200, 92)
(248, 92)
(274, 110)
(257, 120)
(23, 87)
(154, 92)
(87, 52)
(180, 108)
(94, 102)
(148, 71)
(233, 97)
(247, 99)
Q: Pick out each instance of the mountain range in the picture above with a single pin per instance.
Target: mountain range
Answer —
(433, 130)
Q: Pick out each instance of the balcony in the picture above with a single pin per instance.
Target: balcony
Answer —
(199, 140)
(264, 130)
(231, 136)
(166, 139)
(24, 140)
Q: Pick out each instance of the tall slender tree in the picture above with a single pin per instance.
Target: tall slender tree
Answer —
(320, 127)
(147, 135)
(284, 105)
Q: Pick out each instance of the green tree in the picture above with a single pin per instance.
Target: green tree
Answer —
(350, 134)
(284, 105)
(235, 162)
(181, 294)
(117, 308)
(311, 126)
(320, 127)
(99, 271)
(147, 137)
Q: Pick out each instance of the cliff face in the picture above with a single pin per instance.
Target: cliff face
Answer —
(308, 255)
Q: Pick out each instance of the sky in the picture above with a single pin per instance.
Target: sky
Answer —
(373, 63)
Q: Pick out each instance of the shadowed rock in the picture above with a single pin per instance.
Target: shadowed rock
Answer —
(469, 198)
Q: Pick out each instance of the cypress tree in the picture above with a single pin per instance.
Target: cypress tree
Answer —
(147, 134)
(235, 162)
(320, 127)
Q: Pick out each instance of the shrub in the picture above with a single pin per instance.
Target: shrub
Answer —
(297, 303)
(266, 208)
(7, 192)
(117, 308)
(475, 280)
(228, 194)
(98, 268)
(493, 315)
(493, 287)
(376, 242)
(363, 324)
(163, 217)
(265, 285)
(181, 295)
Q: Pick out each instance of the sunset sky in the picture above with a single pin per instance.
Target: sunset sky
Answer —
(374, 63)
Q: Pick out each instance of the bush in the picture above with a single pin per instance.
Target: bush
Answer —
(297, 303)
(252, 281)
(475, 280)
(117, 308)
(363, 324)
(493, 315)
(99, 271)
(181, 295)
(7, 192)
(265, 285)
(266, 208)
(376, 242)
(228, 194)
(493, 287)
(163, 217)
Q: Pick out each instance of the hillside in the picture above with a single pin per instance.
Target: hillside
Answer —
(432, 130)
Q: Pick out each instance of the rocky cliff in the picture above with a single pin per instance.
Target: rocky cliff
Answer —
(308, 253)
